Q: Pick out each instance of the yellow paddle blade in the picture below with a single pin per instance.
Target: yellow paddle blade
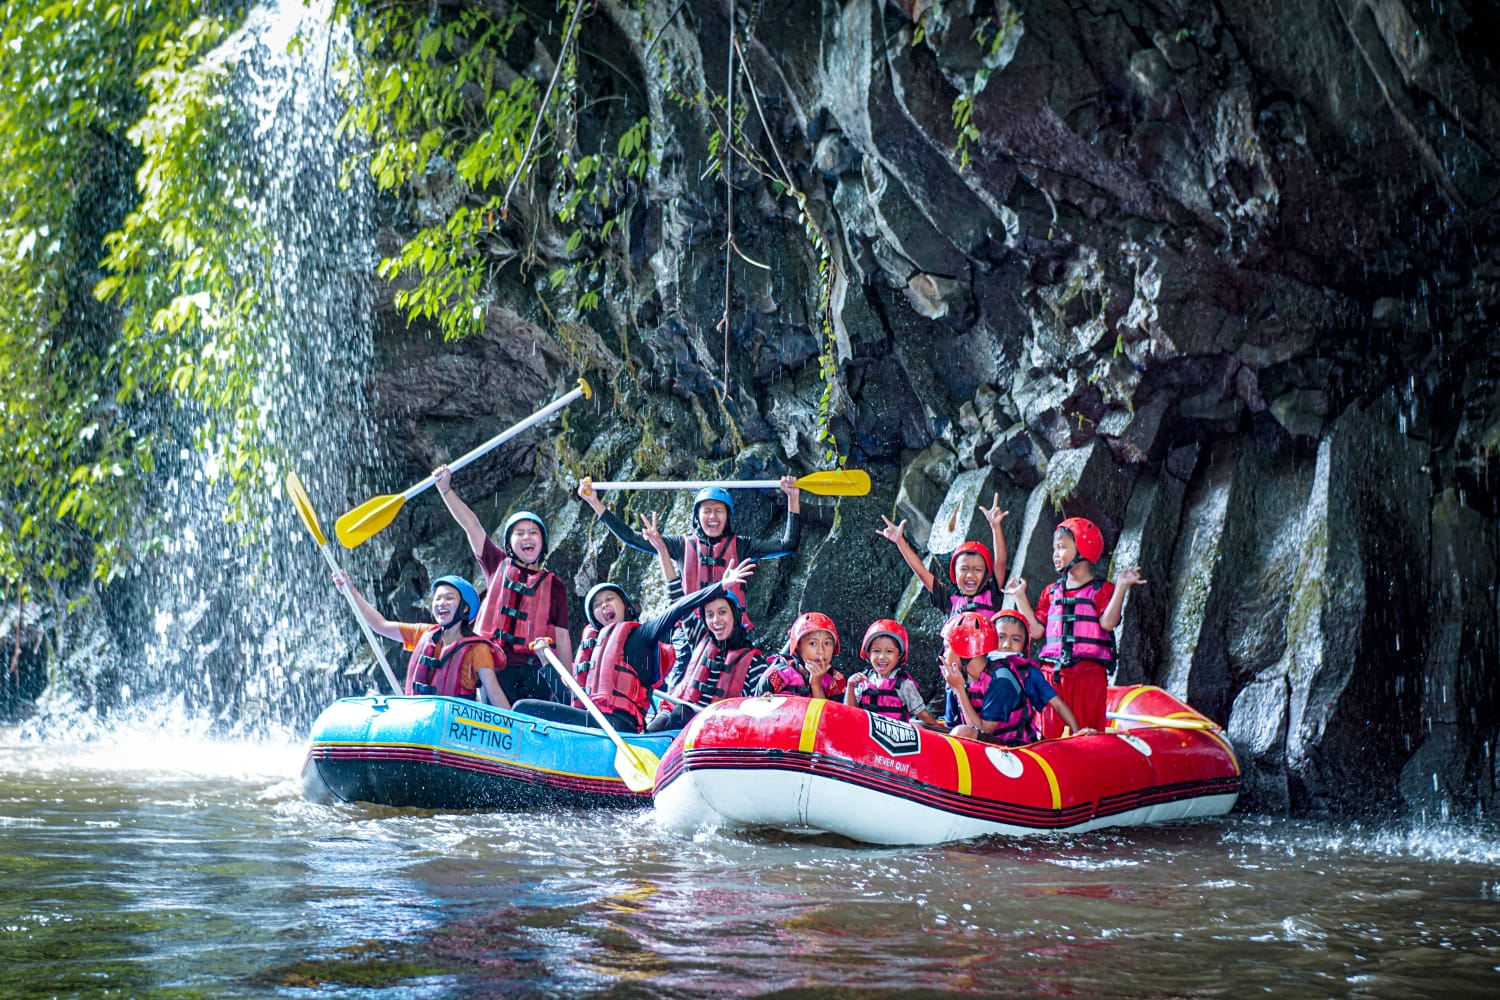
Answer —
(368, 519)
(836, 483)
(304, 507)
(636, 767)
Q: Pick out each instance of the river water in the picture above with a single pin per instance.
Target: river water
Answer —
(145, 865)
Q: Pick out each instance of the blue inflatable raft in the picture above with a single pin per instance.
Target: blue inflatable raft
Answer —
(451, 753)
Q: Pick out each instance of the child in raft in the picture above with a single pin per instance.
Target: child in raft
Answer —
(713, 655)
(447, 658)
(973, 574)
(805, 668)
(703, 552)
(522, 601)
(888, 689)
(623, 662)
(1076, 617)
(993, 696)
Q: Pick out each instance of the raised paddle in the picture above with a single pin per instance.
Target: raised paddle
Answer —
(833, 483)
(636, 766)
(310, 518)
(369, 518)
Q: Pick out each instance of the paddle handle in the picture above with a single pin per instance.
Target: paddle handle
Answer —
(364, 626)
(692, 484)
(541, 647)
(582, 389)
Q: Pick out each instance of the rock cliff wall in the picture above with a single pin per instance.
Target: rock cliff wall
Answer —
(1220, 277)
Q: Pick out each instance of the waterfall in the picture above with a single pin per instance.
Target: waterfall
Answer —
(231, 624)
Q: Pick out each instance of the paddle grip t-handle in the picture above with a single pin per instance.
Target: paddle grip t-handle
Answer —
(364, 626)
(582, 389)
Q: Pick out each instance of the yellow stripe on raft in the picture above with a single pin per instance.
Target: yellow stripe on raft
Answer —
(961, 758)
(1047, 770)
(1132, 696)
(810, 724)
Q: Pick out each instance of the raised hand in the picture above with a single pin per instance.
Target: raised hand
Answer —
(892, 532)
(737, 572)
(993, 514)
(1130, 576)
(442, 477)
(652, 533)
(341, 579)
(1017, 585)
(586, 492)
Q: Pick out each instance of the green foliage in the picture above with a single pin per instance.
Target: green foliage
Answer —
(72, 460)
(439, 104)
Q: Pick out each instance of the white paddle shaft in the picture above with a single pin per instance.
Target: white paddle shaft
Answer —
(501, 438)
(693, 484)
(390, 676)
(579, 693)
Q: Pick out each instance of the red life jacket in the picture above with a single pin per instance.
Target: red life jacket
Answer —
(611, 682)
(1021, 725)
(516, 609)
(882, 695)
(1073, 629)
(713, 674)
(423, 667)
(584, 654)
(703, 562)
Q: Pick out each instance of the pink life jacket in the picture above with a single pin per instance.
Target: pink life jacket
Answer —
(1073, 629)
(516, 608)
(704, 562)
(713, 674)
(445, 673)
(611, 682)
(982, 602)
(787, 676)
(882, 695)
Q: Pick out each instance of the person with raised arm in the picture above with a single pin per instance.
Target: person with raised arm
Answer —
(624, 662)
(522, 601)
(447, 658)
(973, 573)
(702, 553)
(1076, 618)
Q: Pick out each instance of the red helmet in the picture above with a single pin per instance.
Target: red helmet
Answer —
(971, 548)
(886, 627)
(1087, 537)
(809, 622)
(970, 634)
(1013, 615)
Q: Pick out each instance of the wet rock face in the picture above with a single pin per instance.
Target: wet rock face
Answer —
(1220, 278)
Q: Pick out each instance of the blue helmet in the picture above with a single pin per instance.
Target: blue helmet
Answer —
(517, 518)
(588, 601)
(720, 494)
(466, 593)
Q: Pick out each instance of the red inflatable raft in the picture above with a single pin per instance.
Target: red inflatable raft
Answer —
(795, 763)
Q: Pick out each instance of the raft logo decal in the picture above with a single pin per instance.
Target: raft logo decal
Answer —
(475, 728)
(897, 738)
(1005, 762)
(1140, 745)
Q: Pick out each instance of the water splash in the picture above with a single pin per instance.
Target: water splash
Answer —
(239, 624)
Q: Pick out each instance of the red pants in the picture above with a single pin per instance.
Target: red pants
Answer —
(1085, 687)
